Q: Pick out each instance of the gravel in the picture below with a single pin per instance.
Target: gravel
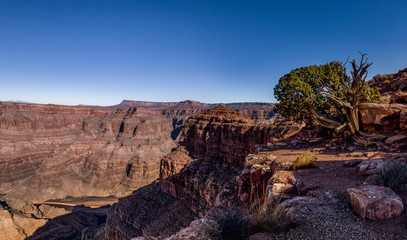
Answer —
(342, 223)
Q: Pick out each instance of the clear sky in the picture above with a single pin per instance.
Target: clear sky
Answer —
(100, 52)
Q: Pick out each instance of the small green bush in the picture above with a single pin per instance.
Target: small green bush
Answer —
(270, 216)
(306, 160)
(227, 224)
(394, 175)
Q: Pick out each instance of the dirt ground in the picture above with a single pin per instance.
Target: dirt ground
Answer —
(332, 178)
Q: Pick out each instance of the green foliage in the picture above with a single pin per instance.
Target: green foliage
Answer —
(394, 175)
(305, 160)
(227, 224)
(270, 217)
(300, 90)
(370, 94)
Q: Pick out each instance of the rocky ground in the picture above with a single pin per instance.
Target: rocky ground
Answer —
(210, 170)
(316, 196)
(329, 183)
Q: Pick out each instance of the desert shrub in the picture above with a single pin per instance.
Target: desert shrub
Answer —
(227, 224)
(306, 160)
(270, 216)
(375, 179)
(394, 175)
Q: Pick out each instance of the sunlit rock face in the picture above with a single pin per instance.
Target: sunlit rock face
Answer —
(202, 172)
(49, 151)
(198, 175)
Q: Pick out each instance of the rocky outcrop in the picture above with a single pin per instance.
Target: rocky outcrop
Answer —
(282, 184)
(174, 162)
(49, 151)
(20, 219)
(396, 141)
(377, 117)
(390, 115)
(252, 181)
(223, 137)
(195, 231)
(390, 83)
(375, 202)
(219, 139)
(370, 167)
(200, 174)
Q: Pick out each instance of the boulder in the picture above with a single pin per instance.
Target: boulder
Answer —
(300, 207)
(375, 202)
(372, 113)
(396, 139)
(196, 230)
(279, 164)
(282, 183)
(352, 162)
(370, 167)
(376, 117)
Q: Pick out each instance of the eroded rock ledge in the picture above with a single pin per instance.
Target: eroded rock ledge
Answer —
(199, 174)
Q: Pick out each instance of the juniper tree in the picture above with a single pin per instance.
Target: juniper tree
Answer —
(326, 96)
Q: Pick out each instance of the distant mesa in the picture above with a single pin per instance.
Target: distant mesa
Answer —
(17, 101)
(194, 105)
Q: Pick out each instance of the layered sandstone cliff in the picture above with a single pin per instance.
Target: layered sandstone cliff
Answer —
(198, 175)
(52, 152)
(49, 151)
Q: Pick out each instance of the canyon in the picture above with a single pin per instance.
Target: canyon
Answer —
(208, 170)
(50, 153)
(62, 167)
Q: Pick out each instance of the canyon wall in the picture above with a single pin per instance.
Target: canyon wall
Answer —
(49, 151)
(198, 175)
(52, 152)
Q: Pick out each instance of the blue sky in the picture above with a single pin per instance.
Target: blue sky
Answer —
(100, 52)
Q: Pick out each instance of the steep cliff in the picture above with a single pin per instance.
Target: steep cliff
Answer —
(198, 175)
(49, 151)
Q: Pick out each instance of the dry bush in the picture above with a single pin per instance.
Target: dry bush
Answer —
(394, 175)
(270, 216)
(306, 160)
(230, 224)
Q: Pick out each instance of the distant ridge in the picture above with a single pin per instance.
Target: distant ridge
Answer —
(190, 104)
(16, 101)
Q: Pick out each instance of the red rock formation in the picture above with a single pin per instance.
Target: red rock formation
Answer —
(50, 151)
(391, 114)
(219, 139)
(223, 137)
(20, 219)
(391, 82)
(200, 174)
